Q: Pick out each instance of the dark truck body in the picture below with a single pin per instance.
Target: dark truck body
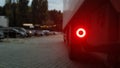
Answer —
(100, 19)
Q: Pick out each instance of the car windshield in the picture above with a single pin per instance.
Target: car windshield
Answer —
(21, 29)
(15, 30)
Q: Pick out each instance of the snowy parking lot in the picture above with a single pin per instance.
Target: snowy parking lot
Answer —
(38, 52)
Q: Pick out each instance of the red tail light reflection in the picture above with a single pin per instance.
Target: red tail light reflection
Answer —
(81, 32)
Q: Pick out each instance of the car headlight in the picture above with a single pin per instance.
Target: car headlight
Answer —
(30, 32)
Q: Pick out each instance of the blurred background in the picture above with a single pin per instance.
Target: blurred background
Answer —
(32, 14)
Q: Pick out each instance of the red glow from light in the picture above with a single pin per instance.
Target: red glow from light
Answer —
(81, 32)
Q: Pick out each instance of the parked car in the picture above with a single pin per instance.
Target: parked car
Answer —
(1, 35)
(46, 32)
(28, 33)
(36, 32)
(12, 33)
(53, 32)
(39, 33)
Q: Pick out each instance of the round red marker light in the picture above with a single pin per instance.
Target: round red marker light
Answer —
(81, 32)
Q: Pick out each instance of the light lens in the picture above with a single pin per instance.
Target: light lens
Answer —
(30, 32)
(81, 32)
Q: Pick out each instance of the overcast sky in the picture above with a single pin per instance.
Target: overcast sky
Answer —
(2, 2)
(52, 4)
(55, 4)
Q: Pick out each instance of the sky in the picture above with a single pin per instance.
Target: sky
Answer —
(52, 4)
(55, 4)
(2, 2)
